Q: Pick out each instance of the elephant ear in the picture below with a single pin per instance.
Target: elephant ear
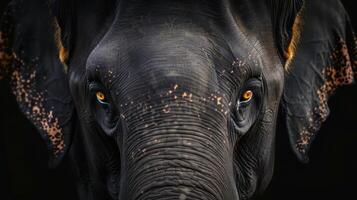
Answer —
(30, 61)
(286, 22)
(324, 60)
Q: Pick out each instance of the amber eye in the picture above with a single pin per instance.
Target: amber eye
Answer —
(246, 96)
(100, 97)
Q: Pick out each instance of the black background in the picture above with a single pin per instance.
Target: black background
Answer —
(331, 173)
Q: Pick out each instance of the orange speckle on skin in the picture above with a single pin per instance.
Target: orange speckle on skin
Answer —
(339, 74)
(23, 87)
(176, 86)
(219, 100)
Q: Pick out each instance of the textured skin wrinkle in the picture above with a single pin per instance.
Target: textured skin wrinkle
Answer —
(167, 151)
(248, 162)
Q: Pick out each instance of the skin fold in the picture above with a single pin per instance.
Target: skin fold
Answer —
(174, 99)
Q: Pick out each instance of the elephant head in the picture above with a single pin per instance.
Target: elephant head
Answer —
(175, 99)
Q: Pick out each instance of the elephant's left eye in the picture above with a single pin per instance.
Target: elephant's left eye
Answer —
(101, 97)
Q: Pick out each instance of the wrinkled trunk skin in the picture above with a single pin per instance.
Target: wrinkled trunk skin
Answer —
(180, 154)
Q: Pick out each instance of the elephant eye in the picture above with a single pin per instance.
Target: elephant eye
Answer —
(248, 105)
(102, 108)
(101, 98)
(246, 96)
(99, 94)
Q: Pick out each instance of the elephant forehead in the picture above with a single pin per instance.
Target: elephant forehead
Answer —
(159, 40)
(169, 54)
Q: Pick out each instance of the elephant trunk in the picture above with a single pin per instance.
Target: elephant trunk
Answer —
(177, 157)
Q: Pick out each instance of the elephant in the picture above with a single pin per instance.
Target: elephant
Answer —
(175, 99)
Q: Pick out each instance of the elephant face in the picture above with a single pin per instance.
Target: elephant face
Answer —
(171, 99)
(185, 104)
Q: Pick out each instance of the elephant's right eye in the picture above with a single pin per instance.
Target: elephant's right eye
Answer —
(248, 104)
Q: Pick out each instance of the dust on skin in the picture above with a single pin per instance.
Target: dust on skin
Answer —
(174, 96)
(32, 102)
(340, 73)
